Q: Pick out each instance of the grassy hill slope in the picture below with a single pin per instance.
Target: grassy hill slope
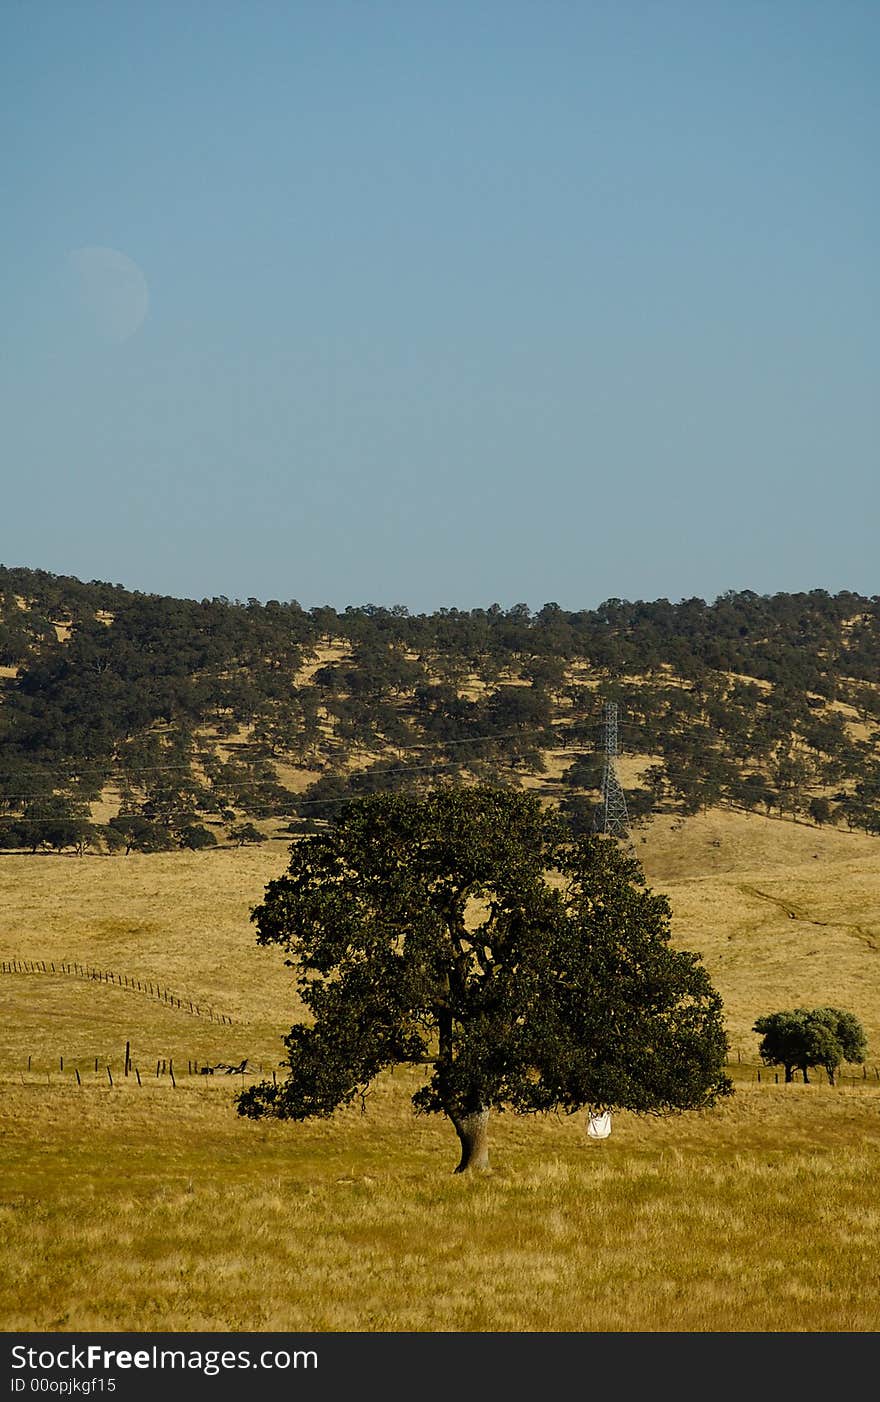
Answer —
(154, 1207)
(144, 1202)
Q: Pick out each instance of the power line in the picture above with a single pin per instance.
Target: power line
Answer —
(200, 759)
(614, 811)
(107, 768)
(99, 769)
(696, 784)
(312, 802)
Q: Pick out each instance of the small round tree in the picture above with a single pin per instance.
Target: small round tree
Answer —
(246, 833)
(469, 930)
(802, 1038)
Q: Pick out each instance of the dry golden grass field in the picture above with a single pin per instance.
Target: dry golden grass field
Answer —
(147, 1205)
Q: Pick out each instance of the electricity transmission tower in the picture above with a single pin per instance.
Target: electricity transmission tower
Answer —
(613, 818)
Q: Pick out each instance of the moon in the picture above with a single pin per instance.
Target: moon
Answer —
(112, 291)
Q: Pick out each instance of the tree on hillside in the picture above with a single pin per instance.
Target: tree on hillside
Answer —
(820, 810)
(803, 1039)
(246, 833)
(61, 832)
(469, 930)
(196, 837)
(139, 834)
(581, 813)
(54, 820)
(785, 1041)
(849, 1042)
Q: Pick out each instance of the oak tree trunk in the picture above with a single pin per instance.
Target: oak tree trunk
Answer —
(473, 1135)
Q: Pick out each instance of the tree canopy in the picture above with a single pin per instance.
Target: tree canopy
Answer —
(468, 931)
(801, 1039)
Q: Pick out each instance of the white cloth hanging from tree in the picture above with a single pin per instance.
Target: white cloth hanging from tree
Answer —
(599, 1125)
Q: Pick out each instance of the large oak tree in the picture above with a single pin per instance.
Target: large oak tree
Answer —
(468, 931)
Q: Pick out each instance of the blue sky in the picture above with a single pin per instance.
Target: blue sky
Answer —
(441, 304)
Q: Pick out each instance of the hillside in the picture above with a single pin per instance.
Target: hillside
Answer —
(781, 914)
(145, 1197)
(134, 722)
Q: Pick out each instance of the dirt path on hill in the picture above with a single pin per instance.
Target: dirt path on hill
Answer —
(795, 913)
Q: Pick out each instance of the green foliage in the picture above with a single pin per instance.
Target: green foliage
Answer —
(14, 835)
(580, 814)
(246, 833)
(196, 837)
(140, 834)
(820, 810)
(804, 1039)
(65, 831)
(467, 930)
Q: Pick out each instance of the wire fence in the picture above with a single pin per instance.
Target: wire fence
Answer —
(60, 1069)
(759, 1073)
(148, 987)
(64, 1070)
(742, 1068)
